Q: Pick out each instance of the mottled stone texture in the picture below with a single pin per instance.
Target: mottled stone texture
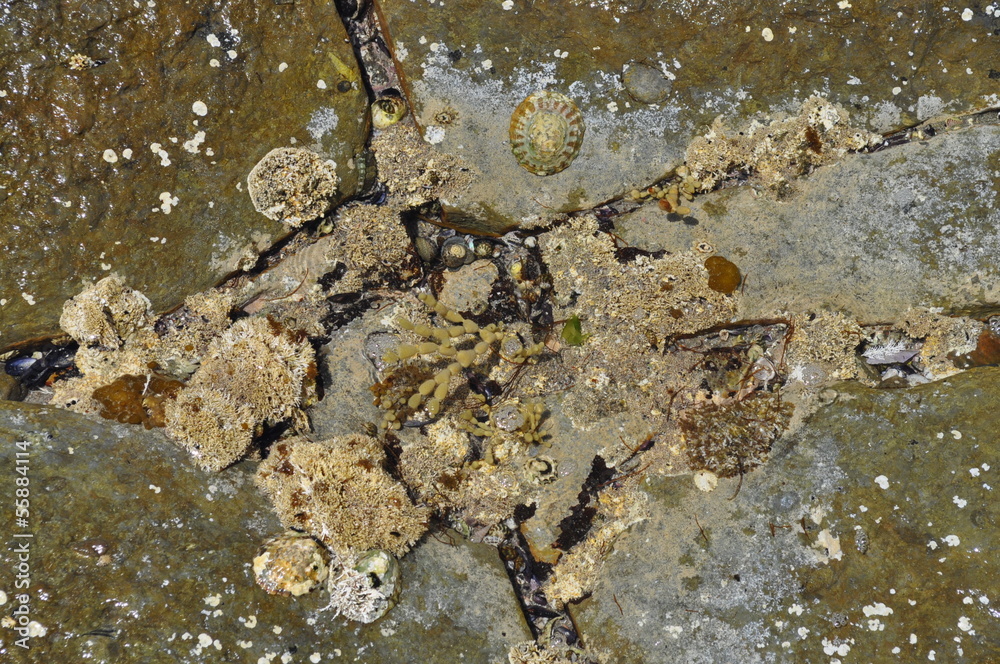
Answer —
(468, 64)
(873, 235)
(68, 214)
(176, 582)
(876, 522)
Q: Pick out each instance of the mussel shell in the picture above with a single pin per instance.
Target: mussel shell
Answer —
(19, 366)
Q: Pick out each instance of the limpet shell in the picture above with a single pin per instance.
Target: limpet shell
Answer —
(546, 132)
(290, 564)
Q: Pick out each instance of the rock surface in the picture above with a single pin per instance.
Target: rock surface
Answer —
(137, 554)
(868, 534)
(468, 64)
(872, 235)
(142, 159)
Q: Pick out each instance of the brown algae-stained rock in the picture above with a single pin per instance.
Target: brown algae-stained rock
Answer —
(726, 59)
(137, 399)
(546, 131)
(138, 165)
(292, 185)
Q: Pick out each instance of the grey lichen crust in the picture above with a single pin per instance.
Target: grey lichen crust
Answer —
(293, 185)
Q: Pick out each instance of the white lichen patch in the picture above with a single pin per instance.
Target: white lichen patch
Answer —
(827, 543)
(192, 144)
(167, 202)
(876, 609)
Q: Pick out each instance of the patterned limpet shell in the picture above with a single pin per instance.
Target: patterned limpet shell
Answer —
(290, 564)
(546, 132)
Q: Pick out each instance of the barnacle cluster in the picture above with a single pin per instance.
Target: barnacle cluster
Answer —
(618, 508)
(944, 338)
(339, 491)
(255, 372)
(822, 347)
(108, 314)
(212, 384)
(776, 152)
(734, 437)
(414, 173)
(530, 652)
(292, 185)
(367, 590)
(114, 326)
(661, 295)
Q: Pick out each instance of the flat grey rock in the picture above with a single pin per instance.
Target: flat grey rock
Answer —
(176, 583)
(873, 524)
(871, 236)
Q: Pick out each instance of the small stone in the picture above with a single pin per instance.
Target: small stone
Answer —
(645, 84)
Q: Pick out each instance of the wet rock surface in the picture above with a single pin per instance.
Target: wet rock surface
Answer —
(135, 152)
(136, 555)
(870, 236)
(629, 418)
(868, 535)
(651, 76)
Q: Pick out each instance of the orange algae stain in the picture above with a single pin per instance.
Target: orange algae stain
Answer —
(723, 275)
